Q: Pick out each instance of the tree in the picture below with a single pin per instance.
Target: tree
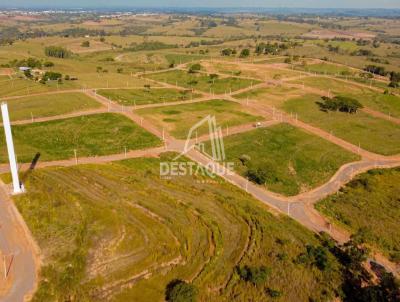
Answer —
(339, 103)
(244, 53)
(255, 275)
(226, 52)
(180, 291)
(57, 52)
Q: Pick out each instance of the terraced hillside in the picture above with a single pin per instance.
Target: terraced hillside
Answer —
(120, 232)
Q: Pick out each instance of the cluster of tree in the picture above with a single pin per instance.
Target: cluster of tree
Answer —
(203, 43)
(57, 52)
(335, 49)
(180, 291)
(208, 23)
(379, 60)
(362, 52)
(52, 76)
(255, 275)
(379, 70)
(228, 52)
(270, 48)
(394, 79)
(339, 103)
(81, 32)
(315, 256)
(151, 45)
(30, 62)
(358, 284)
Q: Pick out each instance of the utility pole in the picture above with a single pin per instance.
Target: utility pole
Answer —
(17, 186)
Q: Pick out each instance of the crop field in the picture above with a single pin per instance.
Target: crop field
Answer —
(130, 246)
(49, 105)
(370, 202)
(178, 119)
(371, 133)
(91, 135)
(131, 97)
(271, 96)
(285, 159)
(202, 81)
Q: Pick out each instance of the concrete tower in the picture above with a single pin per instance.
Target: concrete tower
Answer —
(17, 187)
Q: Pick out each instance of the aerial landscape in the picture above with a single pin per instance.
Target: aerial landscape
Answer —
(177, 151)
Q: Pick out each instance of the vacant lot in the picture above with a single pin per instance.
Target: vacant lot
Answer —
(328, 84)
(286, 159)
(326, 68)
(370, 202)
(373, 134)
(116, 237)
(49, 105)
(202, 81)
(131, 97)
(178, 119)
(90, 135)
(271, 96)
(385, 103)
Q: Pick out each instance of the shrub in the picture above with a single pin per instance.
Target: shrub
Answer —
(180, 291)
(50, 75)
(194, 68)
(245, 53)
(85, 44)
(255, 275)
(48, 64)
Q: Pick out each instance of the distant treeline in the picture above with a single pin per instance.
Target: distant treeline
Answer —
(152, 45)
(57, 52)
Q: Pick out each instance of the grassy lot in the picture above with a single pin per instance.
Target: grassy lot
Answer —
(385, 103)
(20, 86)
(91, 135)
(49, 105)
(271, 96)
(326, 68)
(178, 119)
(370, 202)
(373, 134)
(201, 81)
(293, 161)
(103, 224)
(328, 84)
(131, 97)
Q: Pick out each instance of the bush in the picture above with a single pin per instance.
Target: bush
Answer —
(85, 44)
(255, 275)
(48, 64)
(180, 291)
(245, 53)
(50, 75)
(194, 68)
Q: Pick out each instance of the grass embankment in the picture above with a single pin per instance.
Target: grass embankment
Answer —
(100, 225)
(370, 202)
(288, 160)
(91, 135)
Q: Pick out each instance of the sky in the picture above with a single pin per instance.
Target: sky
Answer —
(204, 3)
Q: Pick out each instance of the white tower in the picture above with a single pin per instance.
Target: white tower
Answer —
(10, 148)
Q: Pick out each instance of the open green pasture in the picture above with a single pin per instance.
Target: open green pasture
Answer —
(49, 105)
(90, 135)
(201, 81)
(371, 133)
(289, 160)
(178, 119)
(131, 97)
(120, 232)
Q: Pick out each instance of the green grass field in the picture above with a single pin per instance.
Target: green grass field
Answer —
(91, 135)
(178, 119)
(328, 84)
(271, 96)
(49, 105)
(100, 225)
(370, 202)
(373, 134)
(385, 103)
(201, 81)
(130, 97)
(293, 161)
(326, 68)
